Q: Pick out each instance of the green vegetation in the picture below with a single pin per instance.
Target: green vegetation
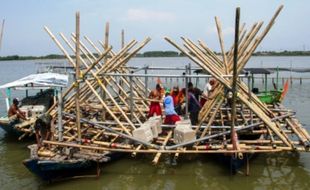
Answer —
(282, 53)
(16, 57)
(157, 54)
(160, 54)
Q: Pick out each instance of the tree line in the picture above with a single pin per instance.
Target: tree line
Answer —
(156, 54)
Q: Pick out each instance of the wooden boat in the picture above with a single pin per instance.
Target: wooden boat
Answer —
(62, 167)
(47, 84)
(270, 97)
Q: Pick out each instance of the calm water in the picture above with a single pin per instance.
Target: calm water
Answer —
(269, 171)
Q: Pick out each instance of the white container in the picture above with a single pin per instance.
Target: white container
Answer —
(33, 110)
(38, 110)
(155, 124)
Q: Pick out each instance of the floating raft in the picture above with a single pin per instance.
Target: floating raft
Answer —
(104, 110)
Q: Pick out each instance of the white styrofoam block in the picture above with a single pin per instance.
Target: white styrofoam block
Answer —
(155, 125)
(183, 134)
(143, 133)
(181, 122)
(156, 118)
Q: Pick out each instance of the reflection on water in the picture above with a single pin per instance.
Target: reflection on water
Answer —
(272, 171)
(267, 171)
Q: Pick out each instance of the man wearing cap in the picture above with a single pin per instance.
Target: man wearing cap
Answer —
(171, 115)
(14, 112)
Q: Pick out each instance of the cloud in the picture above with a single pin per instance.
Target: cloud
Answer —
(148, 15)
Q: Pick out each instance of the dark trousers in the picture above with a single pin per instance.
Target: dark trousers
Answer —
(193, 116)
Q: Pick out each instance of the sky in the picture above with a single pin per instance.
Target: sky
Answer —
(25, 19)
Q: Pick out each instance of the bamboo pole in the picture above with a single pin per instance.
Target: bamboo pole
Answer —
(1, 34)
(212, 117)
(77, 76)
(90, 86)
(211, 69)
(152, 151)
(116, 132)
(123, 38)
(112, 54)
(107, 82)
(217, 75)
(220, 35)
(157, 156)
(234, 81)
(106, 92)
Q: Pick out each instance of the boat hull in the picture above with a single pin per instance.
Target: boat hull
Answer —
(9, 128)
(52, 170)
(49, 170)
(234, 164)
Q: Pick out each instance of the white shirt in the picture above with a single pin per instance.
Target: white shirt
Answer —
(207, 89)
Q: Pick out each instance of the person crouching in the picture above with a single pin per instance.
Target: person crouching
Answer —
(171, 116)
(43, 127)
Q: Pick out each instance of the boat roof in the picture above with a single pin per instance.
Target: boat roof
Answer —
(37, 81)
(245, 70)
(268, 70)
(258, 70)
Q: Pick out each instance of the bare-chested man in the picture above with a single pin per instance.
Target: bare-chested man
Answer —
(14, 112)
(155, 106)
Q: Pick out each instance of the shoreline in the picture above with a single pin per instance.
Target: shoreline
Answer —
(158, 54)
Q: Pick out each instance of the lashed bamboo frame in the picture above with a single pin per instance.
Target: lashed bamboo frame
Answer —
(267, 121)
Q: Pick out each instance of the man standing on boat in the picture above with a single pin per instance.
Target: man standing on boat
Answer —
(14, 112)
(194, 90)
(155, 97)
(171, 115)
(208, 91)
(193, 107)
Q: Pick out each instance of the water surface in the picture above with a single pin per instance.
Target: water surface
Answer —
(267, 171)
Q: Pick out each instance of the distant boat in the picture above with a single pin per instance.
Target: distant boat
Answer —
(47, 84)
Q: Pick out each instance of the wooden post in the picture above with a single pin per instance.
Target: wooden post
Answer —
(220, 34)
(277, 82)
(123, 38)
(186, 94)
(59, 123)
(122, 46)
(189, 71)
(106, 39)
(131, 98)
(146, 81)
(106, 44)
(265, 83)
(234, 82)
(77, 76)
(1, 34)
(250, 95)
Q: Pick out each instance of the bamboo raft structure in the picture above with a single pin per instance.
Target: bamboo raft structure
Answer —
(98, 113)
